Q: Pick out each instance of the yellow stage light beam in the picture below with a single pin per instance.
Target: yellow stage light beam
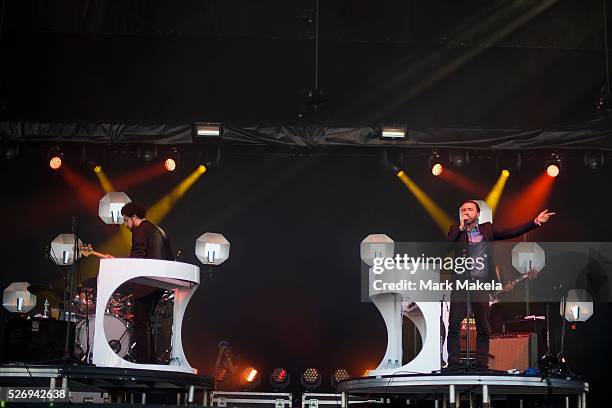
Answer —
(439, 216)
(160, 209)
(106, 184)
(119, 244)
(494, 195)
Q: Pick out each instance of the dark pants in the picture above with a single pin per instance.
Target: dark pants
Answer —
(145, 301)
(480, 309)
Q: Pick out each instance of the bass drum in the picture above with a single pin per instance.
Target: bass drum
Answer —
(117, 332)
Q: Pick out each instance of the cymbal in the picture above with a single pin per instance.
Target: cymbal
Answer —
(38, 289)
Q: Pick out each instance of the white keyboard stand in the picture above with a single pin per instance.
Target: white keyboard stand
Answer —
(183, 278)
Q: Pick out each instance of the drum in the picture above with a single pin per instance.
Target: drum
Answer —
(84, 303)
(120, 306)
(116, 330)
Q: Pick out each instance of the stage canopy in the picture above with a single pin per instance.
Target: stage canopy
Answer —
(595, 135)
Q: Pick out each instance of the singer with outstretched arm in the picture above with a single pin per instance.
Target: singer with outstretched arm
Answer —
(470, 232)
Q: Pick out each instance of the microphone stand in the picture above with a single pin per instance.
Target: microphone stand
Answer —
(68, 355)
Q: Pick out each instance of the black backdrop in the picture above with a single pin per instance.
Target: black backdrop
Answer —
(290, 293)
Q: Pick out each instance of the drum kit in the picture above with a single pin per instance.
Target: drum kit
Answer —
(119, 324)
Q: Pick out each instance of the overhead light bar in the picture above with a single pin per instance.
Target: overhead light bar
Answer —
(209, 129)
(394, 131)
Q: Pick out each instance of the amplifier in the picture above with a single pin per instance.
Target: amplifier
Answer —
(463, 335)
(36, 340)
(513, 351)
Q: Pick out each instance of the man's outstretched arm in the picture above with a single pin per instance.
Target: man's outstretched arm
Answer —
(521, 229)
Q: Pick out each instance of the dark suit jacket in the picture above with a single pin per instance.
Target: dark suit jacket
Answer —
(489, 234)
(150, 241)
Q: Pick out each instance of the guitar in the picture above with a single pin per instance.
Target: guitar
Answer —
(496, 296)
(87, 250)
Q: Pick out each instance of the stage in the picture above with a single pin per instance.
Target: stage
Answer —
(453, 387)
(100, 384)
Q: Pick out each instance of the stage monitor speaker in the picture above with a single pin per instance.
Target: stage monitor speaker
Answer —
(36, 340)
(513, 351)
(473, 334)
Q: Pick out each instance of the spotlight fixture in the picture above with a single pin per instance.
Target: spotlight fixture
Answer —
(459, 159)
(314, 98)
(212, 248)
(594, 160)
(311, 379)
(147, 154)
(109, 207)
(62, 249)
(207, 130)
(435, 163)
(393, 131)
(392, 160)
(508, 161)
(221, 375)
(279, 379)
(17, 299)
(578, 306)
(9, 151)
(171, 161)
(553, 165)
(55, 157)
(250, 378)
(170, 164)
(338, 375)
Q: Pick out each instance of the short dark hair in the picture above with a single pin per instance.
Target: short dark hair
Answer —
(133, 209)
(473, 202)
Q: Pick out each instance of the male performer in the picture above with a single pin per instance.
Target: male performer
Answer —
(148, 241)
(472, 233)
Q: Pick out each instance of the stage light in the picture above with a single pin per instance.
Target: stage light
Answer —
(17, 299)
(222, 376)
(55, 157)
(172, 159)
(311, 379)
(376, 246)
(97, 169)
(170, 164)
(147, 154)
(205, 130)
(553, 165)
(459, 159)
(593, 160)
(435, 163)
(62, 249)
(393, 131)
(160, 209)
(212, 248)
(552, 170)
(339, 375)
(55, 162)
(578, 306)
(109, 208)
(528, 256)
(439, 216)
(250, 378)
(495, 194)
(9, 151)
(279, 379)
